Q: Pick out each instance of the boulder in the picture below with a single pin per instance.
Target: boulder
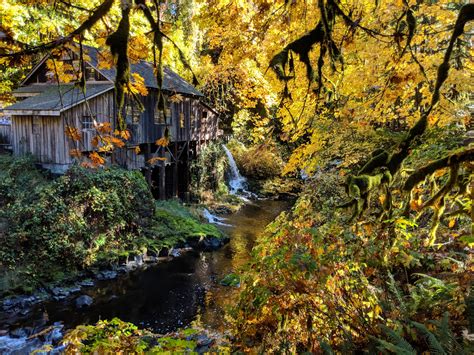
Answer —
(83, 301)
(164, 252)
(86, 283)
(212, 243)
(107, 275)
(174, 253)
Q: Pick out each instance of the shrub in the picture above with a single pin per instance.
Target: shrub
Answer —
(18, 178)
(319, 279)
(208, 171)
(70, 220)
(106, 337)
(257, 162)
(50, 229)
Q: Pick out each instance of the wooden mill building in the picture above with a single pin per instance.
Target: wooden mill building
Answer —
(46, 107)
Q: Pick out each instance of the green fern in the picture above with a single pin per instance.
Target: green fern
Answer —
(392, 348)
(397, 340)
(395, 290)
(326, 348)
(440, 341)
(445, 335)
(433, 343)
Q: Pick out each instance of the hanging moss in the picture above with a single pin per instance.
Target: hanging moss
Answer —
(118, 43)
(302, 46)
(450, 160)
(393, 162)
(378, 160)
(360, 188)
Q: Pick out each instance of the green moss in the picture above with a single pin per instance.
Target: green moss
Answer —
(174, 222)
(116, 336)
(231, 280)
(82, 219)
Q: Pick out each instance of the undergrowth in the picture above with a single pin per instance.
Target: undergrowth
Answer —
(53, 227)
(319, 281)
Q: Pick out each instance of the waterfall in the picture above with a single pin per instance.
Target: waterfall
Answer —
(211, 218)
(237, 182)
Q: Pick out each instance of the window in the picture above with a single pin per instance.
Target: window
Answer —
(161, 117)
(204, 114)
(132, 113)
(87, 122)
(90, 74)
(181, 120)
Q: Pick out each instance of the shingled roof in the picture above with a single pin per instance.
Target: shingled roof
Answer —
(171, 81)
(52, 99)
(55, 99)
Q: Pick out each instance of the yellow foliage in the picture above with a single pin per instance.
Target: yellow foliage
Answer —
(162, 142)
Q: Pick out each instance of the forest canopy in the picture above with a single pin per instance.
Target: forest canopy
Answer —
(366, 101)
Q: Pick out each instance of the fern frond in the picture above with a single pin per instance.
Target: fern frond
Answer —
(444, 334)
(326, 348)
(397, 339)
(392, 348)
(396, 292)
(434, 345)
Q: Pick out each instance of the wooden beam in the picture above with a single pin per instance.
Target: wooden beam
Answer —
(162, 177)
(148, 168)
(32, 112)
(175, 170)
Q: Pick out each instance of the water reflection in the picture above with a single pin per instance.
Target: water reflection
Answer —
(171, 295)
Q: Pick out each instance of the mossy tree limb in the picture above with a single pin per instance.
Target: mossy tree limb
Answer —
(402, 150)
(118, 43)
(97, 14)
(448, 161)
(392, 162)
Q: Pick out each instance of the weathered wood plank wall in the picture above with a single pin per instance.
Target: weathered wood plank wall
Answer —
(42, 136)
(101, 108)
(5, 135)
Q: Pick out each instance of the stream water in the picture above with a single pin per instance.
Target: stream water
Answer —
(170, 295)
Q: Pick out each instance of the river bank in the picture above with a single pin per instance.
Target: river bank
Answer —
(162, 297)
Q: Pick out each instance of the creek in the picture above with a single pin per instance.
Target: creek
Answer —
(165, 296)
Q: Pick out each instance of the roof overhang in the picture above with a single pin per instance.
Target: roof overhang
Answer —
(32, 112)
(209, 107)
(52, 112)
(33, 70)
(87, 98)
(25, 94)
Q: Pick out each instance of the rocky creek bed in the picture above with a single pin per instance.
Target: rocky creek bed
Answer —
(162, 293)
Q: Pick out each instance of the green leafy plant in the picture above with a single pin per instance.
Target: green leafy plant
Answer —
(231, 280)
(105, 337)
(438, 339)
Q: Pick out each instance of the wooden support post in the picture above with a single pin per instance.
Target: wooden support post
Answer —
(162, 177)
(148, 177)
(187, 165)
(175, 170)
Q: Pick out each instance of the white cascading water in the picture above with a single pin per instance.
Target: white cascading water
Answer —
(211, 218)
(237, 182)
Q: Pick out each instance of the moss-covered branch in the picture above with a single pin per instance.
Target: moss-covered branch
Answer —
(118, 43)
(95, 16)
(302, 46)
(392, 162)
(448, 161)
